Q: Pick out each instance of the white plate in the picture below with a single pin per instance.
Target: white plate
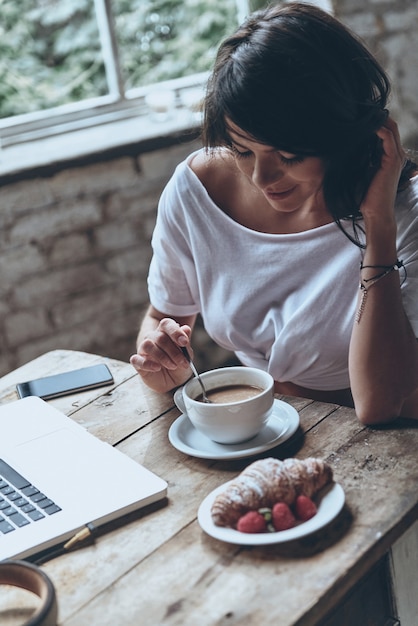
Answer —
(281, 425)
(329, 500)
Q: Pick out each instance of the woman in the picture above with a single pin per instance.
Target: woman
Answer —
(302, 193)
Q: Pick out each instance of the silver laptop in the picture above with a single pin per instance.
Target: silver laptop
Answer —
(56, 478)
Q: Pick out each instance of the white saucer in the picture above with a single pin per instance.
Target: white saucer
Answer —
(329, 502)
(282, 424)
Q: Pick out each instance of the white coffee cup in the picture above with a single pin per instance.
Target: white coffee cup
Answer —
(228, 422)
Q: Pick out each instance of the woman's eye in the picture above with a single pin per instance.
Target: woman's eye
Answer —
(240, 155)
(291, 159)
(286, 157)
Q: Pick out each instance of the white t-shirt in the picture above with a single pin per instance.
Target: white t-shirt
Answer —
(283, 303)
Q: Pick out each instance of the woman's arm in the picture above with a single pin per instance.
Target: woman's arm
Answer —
(383, 358)
(159, 360)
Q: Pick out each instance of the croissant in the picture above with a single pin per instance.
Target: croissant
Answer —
(267, 481)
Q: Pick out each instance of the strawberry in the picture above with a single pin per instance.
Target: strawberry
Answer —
(304, 508)
(252, 522)
(283, 517)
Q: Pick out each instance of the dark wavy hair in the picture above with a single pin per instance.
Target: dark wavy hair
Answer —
(295, 78)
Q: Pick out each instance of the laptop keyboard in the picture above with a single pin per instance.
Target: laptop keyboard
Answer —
(21, 503)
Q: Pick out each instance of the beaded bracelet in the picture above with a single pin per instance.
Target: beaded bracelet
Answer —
(364, 286)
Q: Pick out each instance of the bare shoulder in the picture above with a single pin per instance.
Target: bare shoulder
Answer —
(227, 186)
(213, 167)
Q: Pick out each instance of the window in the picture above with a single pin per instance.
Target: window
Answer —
(67, 66)
(65, 61)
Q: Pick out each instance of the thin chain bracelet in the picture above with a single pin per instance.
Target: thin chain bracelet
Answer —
(387, 269)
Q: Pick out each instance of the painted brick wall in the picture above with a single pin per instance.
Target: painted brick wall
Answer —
(74, 246)
(390, 29)
(74, 255)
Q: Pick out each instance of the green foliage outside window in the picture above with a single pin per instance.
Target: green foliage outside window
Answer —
(176, 38)
(49, 54)
(50, 49)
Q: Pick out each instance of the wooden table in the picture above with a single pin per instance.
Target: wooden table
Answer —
(159, 567)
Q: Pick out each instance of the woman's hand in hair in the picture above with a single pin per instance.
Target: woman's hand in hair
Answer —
(380, 199)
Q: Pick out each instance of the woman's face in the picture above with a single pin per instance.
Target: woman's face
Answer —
(288, 181)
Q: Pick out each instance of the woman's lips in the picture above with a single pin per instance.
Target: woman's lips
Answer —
(279, 195)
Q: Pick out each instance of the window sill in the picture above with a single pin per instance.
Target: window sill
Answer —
(133, 135)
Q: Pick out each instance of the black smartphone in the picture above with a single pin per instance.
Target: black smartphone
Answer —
(67, 383)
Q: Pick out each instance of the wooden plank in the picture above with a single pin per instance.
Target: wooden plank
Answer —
(159, 567)
(122, 411)
(147, 552)
(193, 579)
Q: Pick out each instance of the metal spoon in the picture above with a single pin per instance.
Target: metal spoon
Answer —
(196, 374)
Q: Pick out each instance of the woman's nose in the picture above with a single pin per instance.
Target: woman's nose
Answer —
(266, 171)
